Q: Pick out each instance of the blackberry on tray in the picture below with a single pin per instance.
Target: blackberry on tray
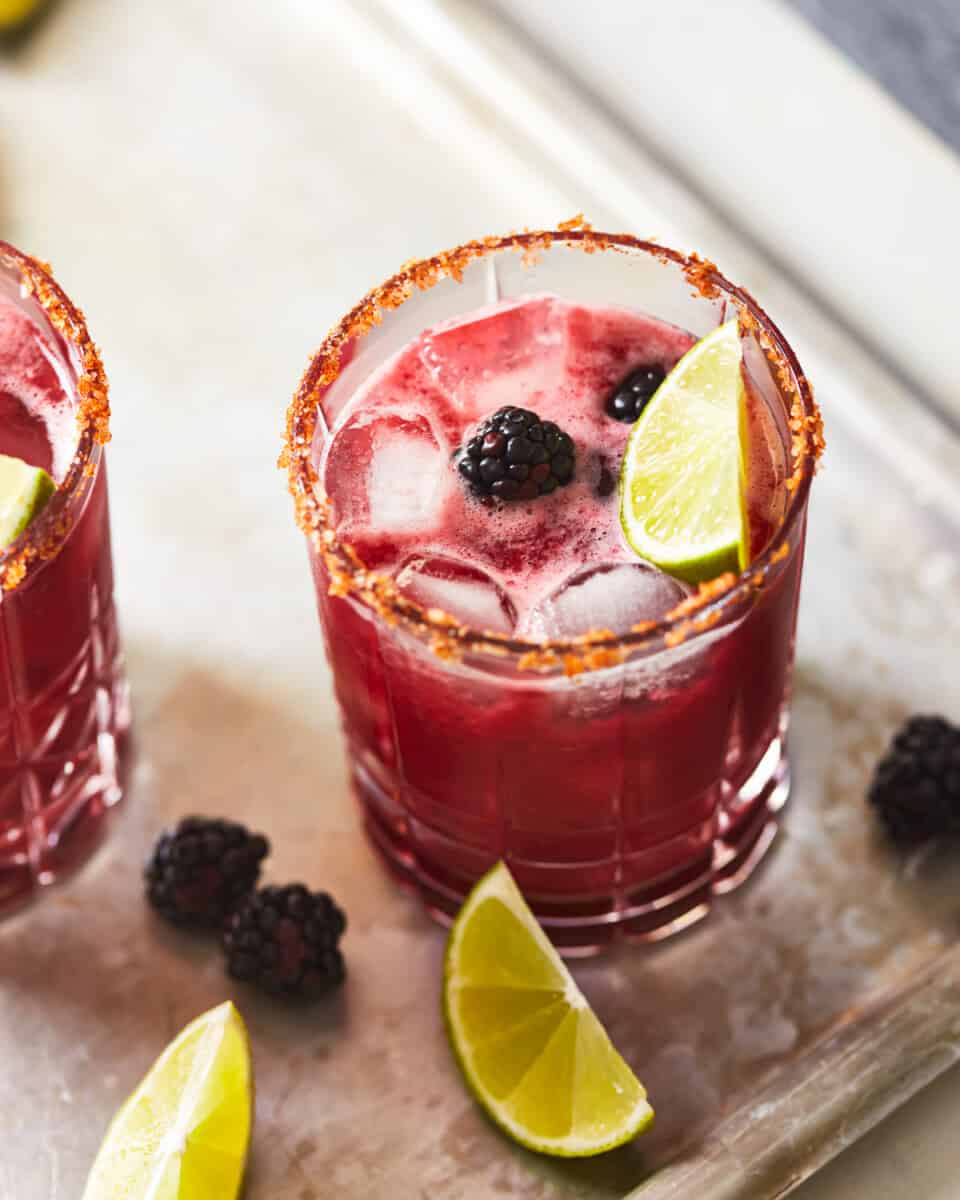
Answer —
(916, 786)
(286, 941)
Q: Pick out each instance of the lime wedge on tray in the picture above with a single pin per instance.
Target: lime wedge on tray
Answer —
(24, 490)
(184, 1133)
(530, 1048)
(681, 482)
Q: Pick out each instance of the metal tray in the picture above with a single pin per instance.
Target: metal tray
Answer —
(808, 1005)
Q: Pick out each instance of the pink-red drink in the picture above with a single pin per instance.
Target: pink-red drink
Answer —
(626, 775)
(63, 701)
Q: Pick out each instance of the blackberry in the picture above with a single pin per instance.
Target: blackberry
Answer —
(632, 395)
(916, 785)
(606, 480)
(513, 455)
(284, 940)
(201, 870)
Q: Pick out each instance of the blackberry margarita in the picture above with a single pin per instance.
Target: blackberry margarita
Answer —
(514, 681)
(63, 702)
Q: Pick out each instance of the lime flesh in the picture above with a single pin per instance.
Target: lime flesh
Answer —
(24, 490)
(185, 1131)
(682, 479)
(530, 1048)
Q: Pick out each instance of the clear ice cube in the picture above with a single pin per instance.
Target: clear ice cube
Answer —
(387, 472)
(614, 596)
(463, 591)
(511, 356)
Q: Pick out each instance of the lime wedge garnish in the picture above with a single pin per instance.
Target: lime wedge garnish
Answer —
(184, 1133)
(681, 482)
(24, 490)
(530, 1048)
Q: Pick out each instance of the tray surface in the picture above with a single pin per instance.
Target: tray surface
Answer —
(807, 1005)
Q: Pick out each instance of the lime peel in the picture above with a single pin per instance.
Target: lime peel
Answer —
(538, 1060)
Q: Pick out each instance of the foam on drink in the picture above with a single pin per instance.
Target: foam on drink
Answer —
(390, 472)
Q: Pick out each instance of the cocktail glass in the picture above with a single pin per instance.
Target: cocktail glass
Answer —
(625, 780)
(64, 712)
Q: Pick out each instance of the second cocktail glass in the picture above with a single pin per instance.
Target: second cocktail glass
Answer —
(626, 780)
(64, 712)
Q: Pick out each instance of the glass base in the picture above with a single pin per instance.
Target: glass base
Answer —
(65, 825)
(581, 925)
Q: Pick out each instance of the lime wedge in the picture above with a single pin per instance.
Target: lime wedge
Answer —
(12, 12)
(184, 1133)
(531, 1050)
(24, 490)
(681, 482)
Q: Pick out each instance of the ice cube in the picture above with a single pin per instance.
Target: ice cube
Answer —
(614, 596)
(510, 355)
(604, 344)
(463, 591)
(38, 423)
(387, 472)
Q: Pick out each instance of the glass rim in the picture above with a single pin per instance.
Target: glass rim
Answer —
(450, 638)
(43, 537)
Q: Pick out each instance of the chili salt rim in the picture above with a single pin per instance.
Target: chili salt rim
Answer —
(598, 648)
(43, 536)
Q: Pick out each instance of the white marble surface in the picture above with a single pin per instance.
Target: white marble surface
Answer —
(213, 191)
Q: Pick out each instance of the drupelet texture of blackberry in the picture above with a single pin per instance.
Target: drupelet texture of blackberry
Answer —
(513, 455)
(916, 785)
(199, 871)
(286, 941)
(632, 395)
